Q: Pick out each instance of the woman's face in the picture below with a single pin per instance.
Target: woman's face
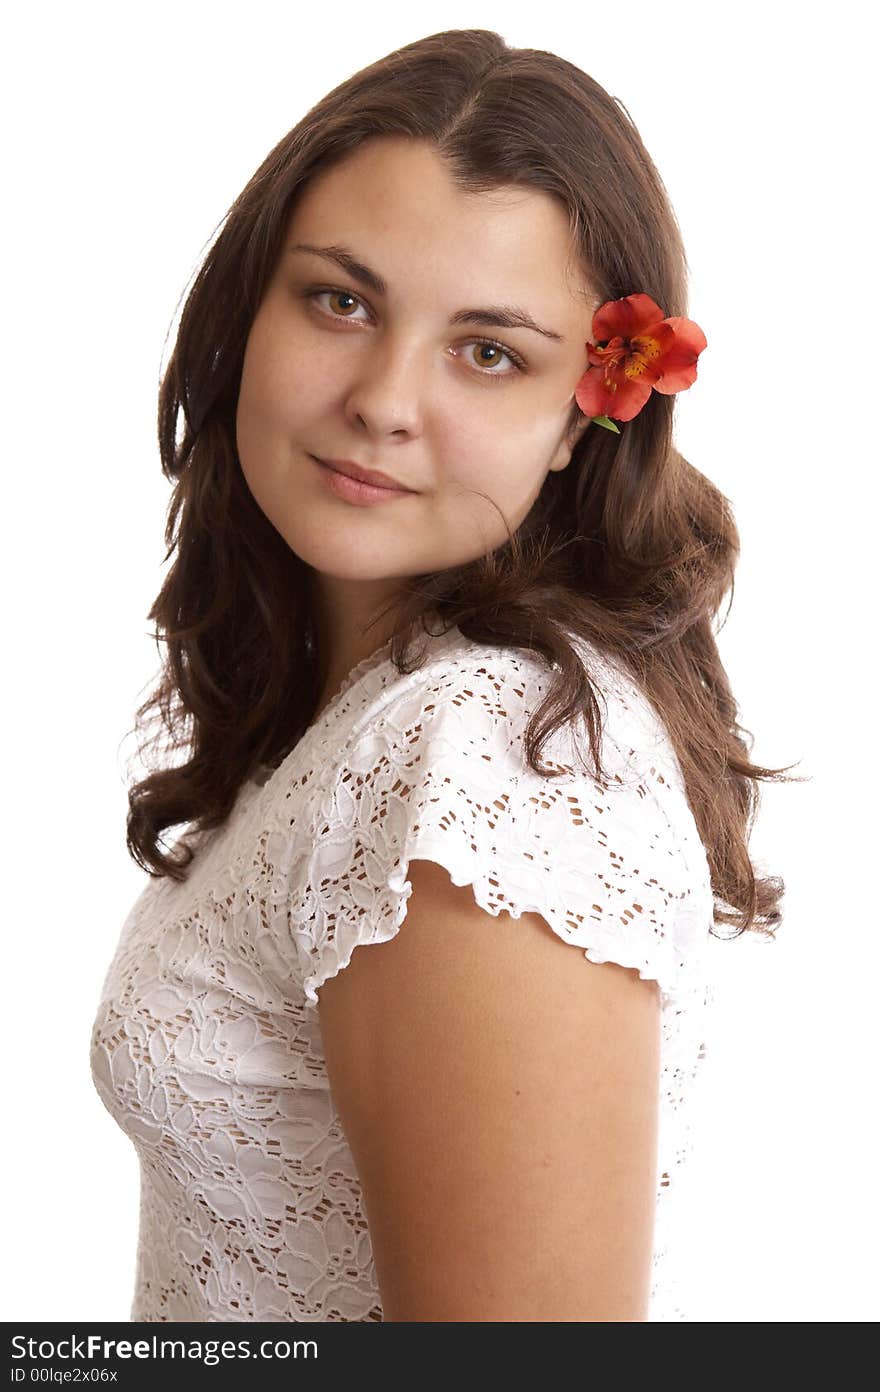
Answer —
(398, 381)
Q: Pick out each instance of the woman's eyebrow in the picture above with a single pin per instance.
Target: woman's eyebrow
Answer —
(495, 316)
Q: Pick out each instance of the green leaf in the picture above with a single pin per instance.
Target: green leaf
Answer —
(608, 424)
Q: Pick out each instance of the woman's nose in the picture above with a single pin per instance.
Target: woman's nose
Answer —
(388, 386)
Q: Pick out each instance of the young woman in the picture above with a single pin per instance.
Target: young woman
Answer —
(469, 714)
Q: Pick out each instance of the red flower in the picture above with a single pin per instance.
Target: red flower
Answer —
(636, 349)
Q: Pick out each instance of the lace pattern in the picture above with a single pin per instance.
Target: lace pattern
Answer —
(206, 1047)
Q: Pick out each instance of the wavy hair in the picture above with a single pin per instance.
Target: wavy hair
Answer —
(629, 547)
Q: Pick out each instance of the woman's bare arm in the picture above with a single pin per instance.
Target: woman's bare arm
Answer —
(499, 1093)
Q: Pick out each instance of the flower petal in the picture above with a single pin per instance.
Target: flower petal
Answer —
(679, 365)
(630, 399)
(601, 394)
(631, 315)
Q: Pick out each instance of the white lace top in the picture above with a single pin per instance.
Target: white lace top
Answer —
(206, 1046)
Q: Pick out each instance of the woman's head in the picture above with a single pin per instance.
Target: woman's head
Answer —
(463, 173)
(399, 377)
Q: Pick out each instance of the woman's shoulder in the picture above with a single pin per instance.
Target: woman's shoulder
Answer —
(481, 686)
(459, 720)
(465, 713)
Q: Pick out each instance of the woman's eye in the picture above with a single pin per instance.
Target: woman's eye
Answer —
(483, 345)
(486, 345)
(337, 294)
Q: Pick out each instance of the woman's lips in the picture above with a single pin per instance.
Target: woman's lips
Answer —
(353, 491)
(377, 477)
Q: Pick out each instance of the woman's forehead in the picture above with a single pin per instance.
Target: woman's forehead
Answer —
(396, 210)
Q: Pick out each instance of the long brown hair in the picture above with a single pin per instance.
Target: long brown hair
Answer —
(630, 547)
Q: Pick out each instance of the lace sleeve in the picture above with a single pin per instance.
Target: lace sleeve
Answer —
(439, 774)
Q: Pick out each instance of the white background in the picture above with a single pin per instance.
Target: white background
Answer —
(127, 132)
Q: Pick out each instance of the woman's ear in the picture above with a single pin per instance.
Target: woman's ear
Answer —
(578, 427)
(569, 441)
